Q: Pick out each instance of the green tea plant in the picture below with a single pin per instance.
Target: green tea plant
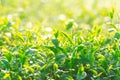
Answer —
(64, 45)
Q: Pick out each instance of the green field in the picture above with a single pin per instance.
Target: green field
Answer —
(59, 40)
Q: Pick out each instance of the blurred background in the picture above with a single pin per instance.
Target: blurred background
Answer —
(53, 13)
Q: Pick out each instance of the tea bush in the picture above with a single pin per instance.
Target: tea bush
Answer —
(59, 40)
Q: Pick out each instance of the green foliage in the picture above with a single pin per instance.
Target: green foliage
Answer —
(59, 40)
(117, 35)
